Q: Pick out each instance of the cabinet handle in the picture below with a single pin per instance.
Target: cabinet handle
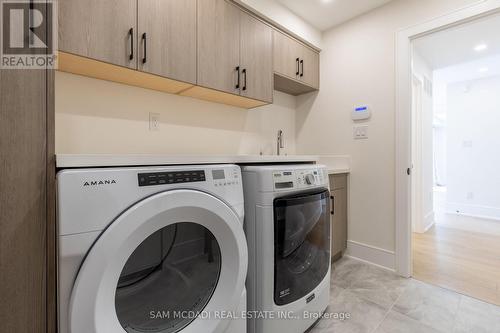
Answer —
(302, 65)
(298, 67)
(238, 82)
(131, 34)
(244, 71)
(333, 205)
(144, 39)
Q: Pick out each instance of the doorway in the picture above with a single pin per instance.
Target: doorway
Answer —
(455, 196)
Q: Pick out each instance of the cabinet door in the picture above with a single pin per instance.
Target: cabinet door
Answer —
(286, 55)
(338, 190)
(99, 30)
(309, 67)
(256, 53)
(24, 121)
(339, 221)
(218, 45)
(167, 38)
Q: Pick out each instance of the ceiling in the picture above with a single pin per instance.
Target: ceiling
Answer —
(469, 71)
(324, 14)
(457, 45)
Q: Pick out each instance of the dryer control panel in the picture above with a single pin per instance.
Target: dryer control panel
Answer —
(290, 179)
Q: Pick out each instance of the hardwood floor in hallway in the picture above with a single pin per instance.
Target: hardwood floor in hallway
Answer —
(460, 258)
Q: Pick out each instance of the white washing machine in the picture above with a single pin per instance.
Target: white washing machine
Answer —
(153, 249)
(287, 224)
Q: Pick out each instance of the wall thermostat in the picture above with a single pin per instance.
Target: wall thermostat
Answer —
(361, 112)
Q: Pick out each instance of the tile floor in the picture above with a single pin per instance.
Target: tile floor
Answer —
(379, 301)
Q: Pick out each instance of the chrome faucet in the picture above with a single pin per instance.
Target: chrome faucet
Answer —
(280, 142)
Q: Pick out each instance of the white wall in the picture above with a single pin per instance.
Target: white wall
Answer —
(95, 116)
(442, 78)
(358, 66)
(281, 15)
(422, 151)
(473, 138)
(439, 144)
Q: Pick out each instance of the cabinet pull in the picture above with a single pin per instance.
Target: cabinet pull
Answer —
(238, 82)
(144, 39)
(302, 70)
(332, 212)
(244, 71)
(131, 34)
(298, 66)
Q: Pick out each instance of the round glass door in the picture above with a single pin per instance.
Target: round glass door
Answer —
(168, 280)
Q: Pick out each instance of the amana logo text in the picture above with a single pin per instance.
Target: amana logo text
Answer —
(99, 182)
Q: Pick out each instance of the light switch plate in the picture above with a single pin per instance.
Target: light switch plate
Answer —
(154, 121)
(360, 132)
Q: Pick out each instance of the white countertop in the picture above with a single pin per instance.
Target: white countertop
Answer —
(336, 164)
(338, 171)
(107, 160)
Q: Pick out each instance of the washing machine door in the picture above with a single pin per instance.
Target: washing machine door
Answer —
(167, 264)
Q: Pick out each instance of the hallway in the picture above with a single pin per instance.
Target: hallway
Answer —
(462, 254)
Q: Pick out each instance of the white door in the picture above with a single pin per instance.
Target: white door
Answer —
(167, 264)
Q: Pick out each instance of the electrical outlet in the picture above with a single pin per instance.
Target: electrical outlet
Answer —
(154, 121)
(360, 132)
(470, 195)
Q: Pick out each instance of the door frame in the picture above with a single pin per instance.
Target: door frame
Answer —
(416, 149)
(404, 39)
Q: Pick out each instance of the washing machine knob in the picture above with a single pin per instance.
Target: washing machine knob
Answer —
(310, 179)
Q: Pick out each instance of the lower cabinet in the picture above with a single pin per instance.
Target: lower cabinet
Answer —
(338, 192)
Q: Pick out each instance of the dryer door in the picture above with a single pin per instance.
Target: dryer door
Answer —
(302, 244)
(167, 264)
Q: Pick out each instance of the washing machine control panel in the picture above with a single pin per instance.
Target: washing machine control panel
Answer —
(171, 177)
(225, 177)
(299, 178)
(219, 177)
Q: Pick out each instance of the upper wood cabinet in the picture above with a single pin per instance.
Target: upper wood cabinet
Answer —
(218, 45)
(286, 55)
(309, 67)
(234, 51)
(207, 49)
(295, 64)
(102, 30)
(256, 54)
(167, 38)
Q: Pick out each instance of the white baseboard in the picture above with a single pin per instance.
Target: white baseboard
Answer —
(426, 224)
(429, 220)
(485, 212)
(371, 254)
